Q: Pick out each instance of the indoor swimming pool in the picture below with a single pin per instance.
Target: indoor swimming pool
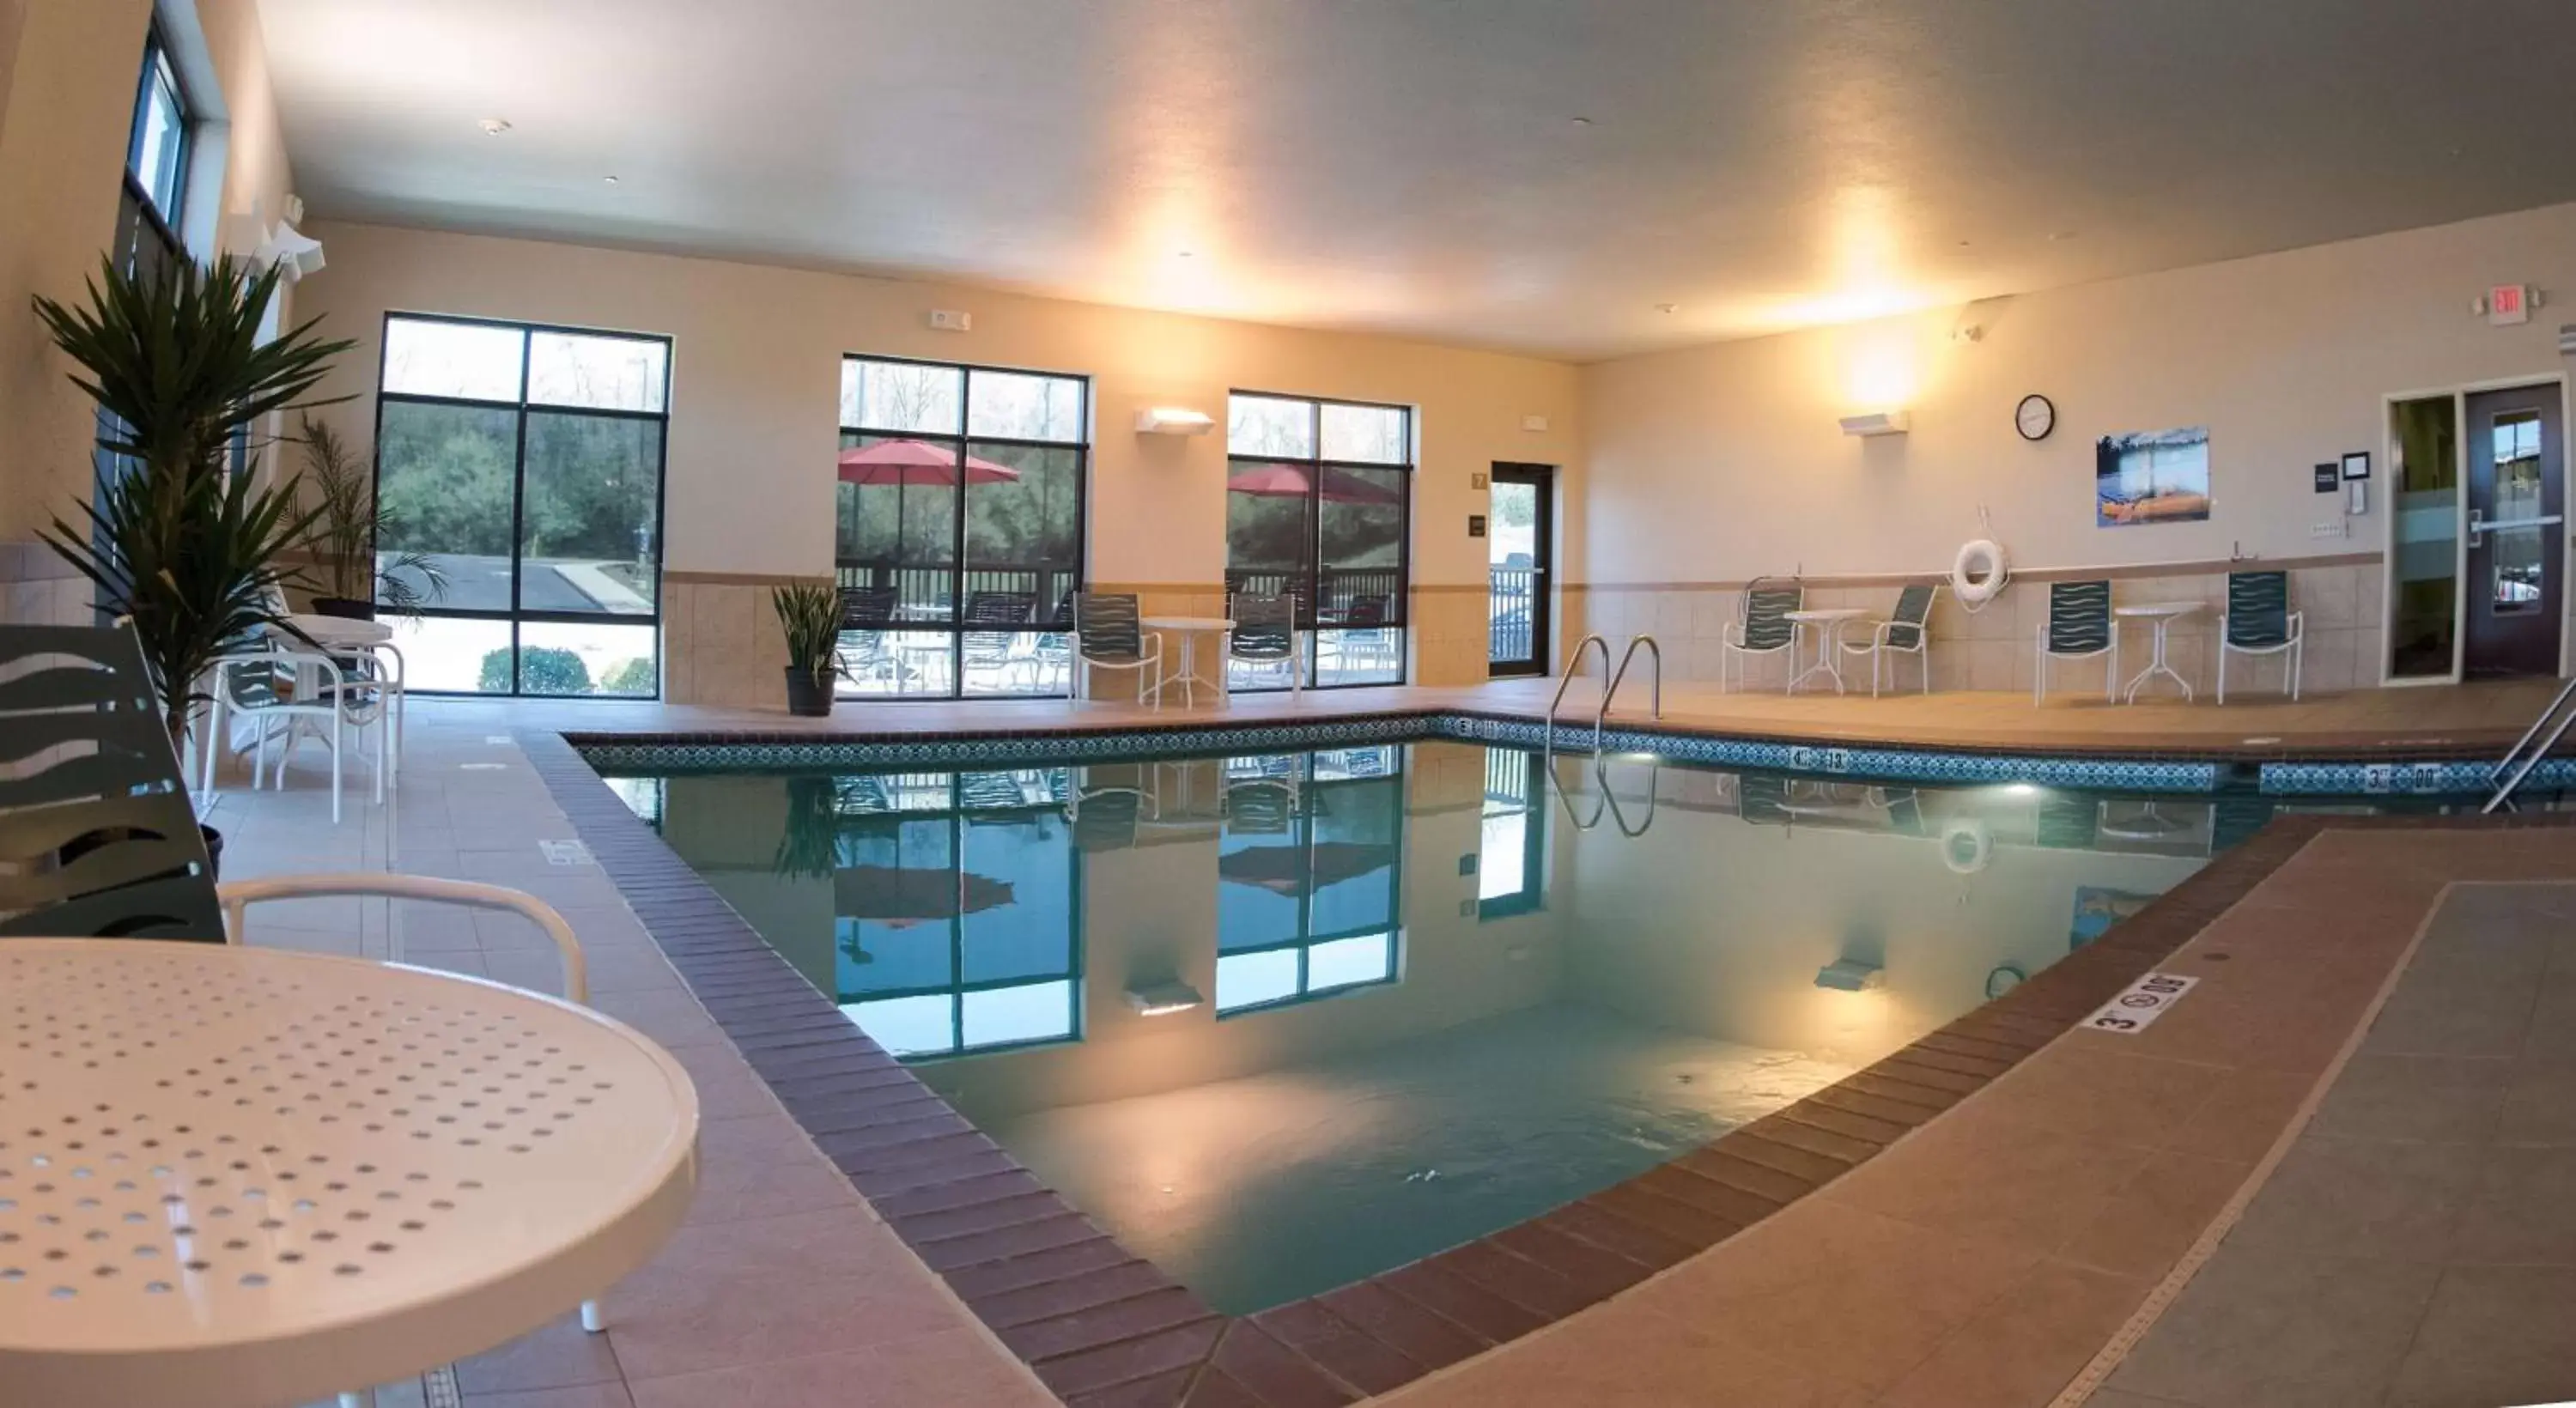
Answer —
(1282, 1021)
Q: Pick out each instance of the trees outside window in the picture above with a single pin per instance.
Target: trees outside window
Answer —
(526, 462)
(1318, 504)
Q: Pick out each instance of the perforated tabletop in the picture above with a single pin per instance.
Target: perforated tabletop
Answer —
(247, 1176)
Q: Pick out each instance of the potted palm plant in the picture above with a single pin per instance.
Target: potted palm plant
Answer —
(191, 553)
(340, 486)
(810, 612)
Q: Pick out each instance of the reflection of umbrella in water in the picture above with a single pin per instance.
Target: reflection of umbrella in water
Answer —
(1287, 870)
(899, 897)
(1288, 481)
(902, 462)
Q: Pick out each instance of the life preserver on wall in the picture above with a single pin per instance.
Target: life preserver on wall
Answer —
(1979, 572)
(1966, 846)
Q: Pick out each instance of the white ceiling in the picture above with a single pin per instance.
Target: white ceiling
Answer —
(1415, 166)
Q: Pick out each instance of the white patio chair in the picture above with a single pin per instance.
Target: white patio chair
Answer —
(1761, 627)
(2259, 621)
(1906, 633)
(1109, 636)
(278, 690)
(237, 896)
(1265, 636)
(2079, 627)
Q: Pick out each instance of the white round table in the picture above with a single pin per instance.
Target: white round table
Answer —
(1189, 629)
(1826, 625)
(234, 1176)
(2162, 615)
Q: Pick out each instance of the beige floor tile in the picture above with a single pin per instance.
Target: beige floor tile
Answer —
(1975, 1174)
(2243, 1116)
(2419, 1098)
(2092, 1090)
(2494, 1335)
(2250, 1329)
(2025, 1345)
(2147, 1223)
(602, 1395)
(2344, 1197)
(562, 1355)
(1841, 1289)
(955, 1367)
(1617, 1358)
(763, 1166)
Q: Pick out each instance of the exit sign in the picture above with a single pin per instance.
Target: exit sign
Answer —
(2508, 304)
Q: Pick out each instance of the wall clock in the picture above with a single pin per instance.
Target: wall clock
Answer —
(2035, 417)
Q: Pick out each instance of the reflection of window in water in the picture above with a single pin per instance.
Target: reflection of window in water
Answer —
(1509, 861)
(1309, 871)
(957, 912)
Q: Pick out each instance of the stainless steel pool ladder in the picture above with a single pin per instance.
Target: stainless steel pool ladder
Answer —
(1601, 716)
(2557, 718)
(1609, 802)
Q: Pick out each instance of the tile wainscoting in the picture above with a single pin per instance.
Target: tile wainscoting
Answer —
(38, 588)
(1992, 649)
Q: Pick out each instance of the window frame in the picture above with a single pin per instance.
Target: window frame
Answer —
(1531, 805)
(1310, 576)
(517, 616)
(955, 627)
(1305, 939)
(960, 815)
(150, 216)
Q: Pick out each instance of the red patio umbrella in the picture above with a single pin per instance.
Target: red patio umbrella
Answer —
(1288, 481)
(900, 896)
(902, 462)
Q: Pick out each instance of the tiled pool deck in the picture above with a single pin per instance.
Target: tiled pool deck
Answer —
(1851, 1249)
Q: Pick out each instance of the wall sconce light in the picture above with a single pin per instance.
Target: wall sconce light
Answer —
(1163, 999)
(1876, 423)
(284, 247)
(1173, 420)
(1851, 975)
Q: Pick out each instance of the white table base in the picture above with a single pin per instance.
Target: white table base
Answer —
(2162, 618)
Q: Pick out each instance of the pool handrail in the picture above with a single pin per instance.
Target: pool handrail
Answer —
(1602, 718)
(1573, 658)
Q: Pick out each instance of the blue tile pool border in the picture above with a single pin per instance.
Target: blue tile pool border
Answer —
(2299, 777)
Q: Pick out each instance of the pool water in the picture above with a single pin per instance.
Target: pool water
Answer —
(1282, 1022)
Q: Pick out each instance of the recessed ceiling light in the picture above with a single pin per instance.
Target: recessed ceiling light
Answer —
(494, 126)
(1185, 254)
(2059, 236)
(1668, 307)
(608, 180)
(1583, 122)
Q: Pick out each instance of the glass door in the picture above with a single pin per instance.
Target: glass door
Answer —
(2424, 541)
(2516, 515)
(1519, 538)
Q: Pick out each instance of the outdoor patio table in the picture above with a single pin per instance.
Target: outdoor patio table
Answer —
(2162, 615)
(338, 632)
(1826, 626)
(1189, 629)
(236, 1176)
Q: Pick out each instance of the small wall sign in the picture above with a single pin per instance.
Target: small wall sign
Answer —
(2146, 1000)
(2329, 478)
(1475, 525)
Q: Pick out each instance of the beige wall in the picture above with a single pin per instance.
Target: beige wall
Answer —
(68, 114)
(754, 409)
(1717, 464)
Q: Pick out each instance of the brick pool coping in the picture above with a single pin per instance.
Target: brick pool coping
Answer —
(1103, 1327)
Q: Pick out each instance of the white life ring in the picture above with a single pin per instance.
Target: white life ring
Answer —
(1979, 572)
(1966, 846)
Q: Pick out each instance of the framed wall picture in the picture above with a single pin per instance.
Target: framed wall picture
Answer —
(2151, 476)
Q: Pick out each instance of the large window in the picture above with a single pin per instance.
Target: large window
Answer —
(1310, 876)
(1318, 494)
(157, 150)
(519, 468)
(958, 910)
(1511, 854)
(960, 527)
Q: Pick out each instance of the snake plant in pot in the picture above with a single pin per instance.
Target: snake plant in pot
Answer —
(191, 552)
(810, 612)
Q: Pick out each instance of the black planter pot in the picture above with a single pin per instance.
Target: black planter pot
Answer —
(807, 695)
(344, 608)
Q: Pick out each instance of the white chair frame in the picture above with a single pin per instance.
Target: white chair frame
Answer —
(2296, 645)
(332, 699)
(2110, 671)
(1149, 657)
(1731, 646)
(1877, 648)
(237, 896)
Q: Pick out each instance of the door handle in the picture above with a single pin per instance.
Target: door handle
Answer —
(2478, 526)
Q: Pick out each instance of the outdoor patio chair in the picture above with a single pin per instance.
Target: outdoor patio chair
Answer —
(1265, 636)
(1761, 627)
(97, 837)
(866, 612)
(1362, 642)
(2259, 621)
(2079, 627)
(291, 692)
(1108, 637)
(1906, 633)
(1005, 651)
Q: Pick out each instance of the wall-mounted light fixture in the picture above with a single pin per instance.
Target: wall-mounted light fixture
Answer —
(1851, 975)
(1173, 420)
(1163, 999)
(1876, 423)
(282, 247)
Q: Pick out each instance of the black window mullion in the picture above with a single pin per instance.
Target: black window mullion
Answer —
(957, 557)
(518, 522)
